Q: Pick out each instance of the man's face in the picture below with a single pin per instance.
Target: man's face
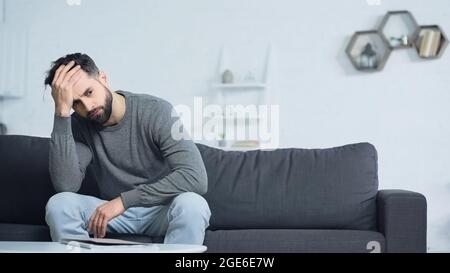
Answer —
(92, 99)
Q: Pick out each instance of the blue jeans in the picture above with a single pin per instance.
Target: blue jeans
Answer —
(183, 221)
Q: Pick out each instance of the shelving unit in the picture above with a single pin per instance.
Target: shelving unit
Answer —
(399, 28)
(368, 59)
(241, 86)
(257, 85)
(440, 47)
(13, 61)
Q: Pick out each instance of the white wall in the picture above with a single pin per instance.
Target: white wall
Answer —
(170, 49)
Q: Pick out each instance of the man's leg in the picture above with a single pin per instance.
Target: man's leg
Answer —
(67, 215)
(183, 221)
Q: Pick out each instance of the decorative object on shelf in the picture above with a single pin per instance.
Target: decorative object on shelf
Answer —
(369, 50)
(245, 144)
(227, 76)
(368, 58)
(431, 42)
(403, 41)
(250, 77)
(221, 141)
(400, 27)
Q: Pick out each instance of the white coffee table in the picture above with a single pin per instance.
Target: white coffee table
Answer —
(55, 247)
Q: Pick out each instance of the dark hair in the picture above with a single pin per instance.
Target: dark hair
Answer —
(83, 60)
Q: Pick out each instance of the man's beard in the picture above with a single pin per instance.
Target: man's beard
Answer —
(107, 110)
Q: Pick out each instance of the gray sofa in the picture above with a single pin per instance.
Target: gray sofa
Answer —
(284, 200)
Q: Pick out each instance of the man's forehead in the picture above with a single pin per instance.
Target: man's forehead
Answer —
(82, 84)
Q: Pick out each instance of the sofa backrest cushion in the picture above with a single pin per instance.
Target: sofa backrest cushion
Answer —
(283, 188)
(25, 185)
(332, 188)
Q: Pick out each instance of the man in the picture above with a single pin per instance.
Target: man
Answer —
(152, 181)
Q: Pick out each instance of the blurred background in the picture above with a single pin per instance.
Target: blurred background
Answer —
(178, 49)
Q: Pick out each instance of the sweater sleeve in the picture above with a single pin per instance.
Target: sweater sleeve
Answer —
(187, 170)
(68, 159)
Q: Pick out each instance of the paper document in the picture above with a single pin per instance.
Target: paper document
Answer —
(99, 241)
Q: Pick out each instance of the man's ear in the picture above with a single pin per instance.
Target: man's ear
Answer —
(103, 78)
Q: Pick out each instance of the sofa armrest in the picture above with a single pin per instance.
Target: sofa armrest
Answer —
(402, 218)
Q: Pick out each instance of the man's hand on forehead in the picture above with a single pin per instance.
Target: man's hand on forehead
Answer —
(67, 73)
(62, 87)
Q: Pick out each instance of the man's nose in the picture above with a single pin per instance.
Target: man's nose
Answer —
(89, 107)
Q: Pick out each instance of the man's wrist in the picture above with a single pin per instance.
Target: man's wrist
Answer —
(62, 112)
(121, 205)
(130, 198)
(62, 125)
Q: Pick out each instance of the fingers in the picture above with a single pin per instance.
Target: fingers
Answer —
(63, 71)
(67, 68)
(102, 226)
(91, 223)
(75, 77)
(57, 73)
(70, 74)
(96, 223)
(92, 227)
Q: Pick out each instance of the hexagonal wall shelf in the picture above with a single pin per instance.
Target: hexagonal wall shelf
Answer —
(399, 28)
(368, 50)
(430, 42)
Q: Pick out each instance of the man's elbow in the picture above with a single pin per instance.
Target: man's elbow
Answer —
(203, 188)
(201, 182)
(65, 188)
(64, 185)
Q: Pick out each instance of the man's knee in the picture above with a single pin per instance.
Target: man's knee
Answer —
(60, 202)
(191, 204)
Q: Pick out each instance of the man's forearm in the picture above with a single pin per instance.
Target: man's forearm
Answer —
(158, 193)
(66, 169)
(188, 175)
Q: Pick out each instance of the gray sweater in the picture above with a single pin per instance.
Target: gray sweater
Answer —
(136, 158)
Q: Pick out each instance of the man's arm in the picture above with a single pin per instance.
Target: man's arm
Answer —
(68, 159)
(188, 173)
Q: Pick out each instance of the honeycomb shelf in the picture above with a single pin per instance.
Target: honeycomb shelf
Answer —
(421, 45)
(368, 50)
(399, 29)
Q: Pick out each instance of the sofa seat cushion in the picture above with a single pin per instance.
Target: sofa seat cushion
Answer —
(333, 188)
(20, 232)
(294, 240)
